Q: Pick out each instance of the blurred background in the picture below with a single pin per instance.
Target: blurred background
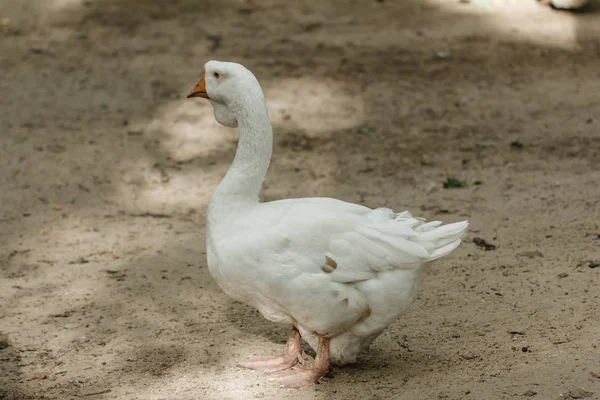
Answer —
(484, 109)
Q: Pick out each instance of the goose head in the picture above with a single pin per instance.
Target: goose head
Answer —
(231, 89)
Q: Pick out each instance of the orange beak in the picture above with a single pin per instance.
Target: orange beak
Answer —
(199, 90)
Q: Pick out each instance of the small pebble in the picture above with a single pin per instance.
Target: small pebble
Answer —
(39, 375)
(4, 343)
(531, 254)
(480, 242)
(442, 55)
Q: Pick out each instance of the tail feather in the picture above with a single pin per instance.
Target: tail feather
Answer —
(428, 226)
(443, 251)
(441, 240)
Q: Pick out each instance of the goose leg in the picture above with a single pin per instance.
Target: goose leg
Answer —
(308, 376)
(291, 355)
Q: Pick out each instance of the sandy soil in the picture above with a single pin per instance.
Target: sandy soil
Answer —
(105, 170)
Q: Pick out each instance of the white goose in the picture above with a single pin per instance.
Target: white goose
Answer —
(337, 273)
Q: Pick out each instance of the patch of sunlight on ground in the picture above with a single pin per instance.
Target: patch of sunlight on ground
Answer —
(232, 384)
(520, 20)
(27, 11)
(314, 106)
(187, 129)
(59, 4)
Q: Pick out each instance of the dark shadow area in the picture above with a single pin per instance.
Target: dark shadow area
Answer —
(103, 239)
(10, 378)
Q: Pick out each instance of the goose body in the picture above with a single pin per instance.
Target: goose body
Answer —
(337, 273)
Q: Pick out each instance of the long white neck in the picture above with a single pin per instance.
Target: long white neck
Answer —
(242, 184)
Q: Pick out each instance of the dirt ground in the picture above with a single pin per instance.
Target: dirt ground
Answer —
(105, 171)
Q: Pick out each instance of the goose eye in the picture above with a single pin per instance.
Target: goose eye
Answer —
(216, 75)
